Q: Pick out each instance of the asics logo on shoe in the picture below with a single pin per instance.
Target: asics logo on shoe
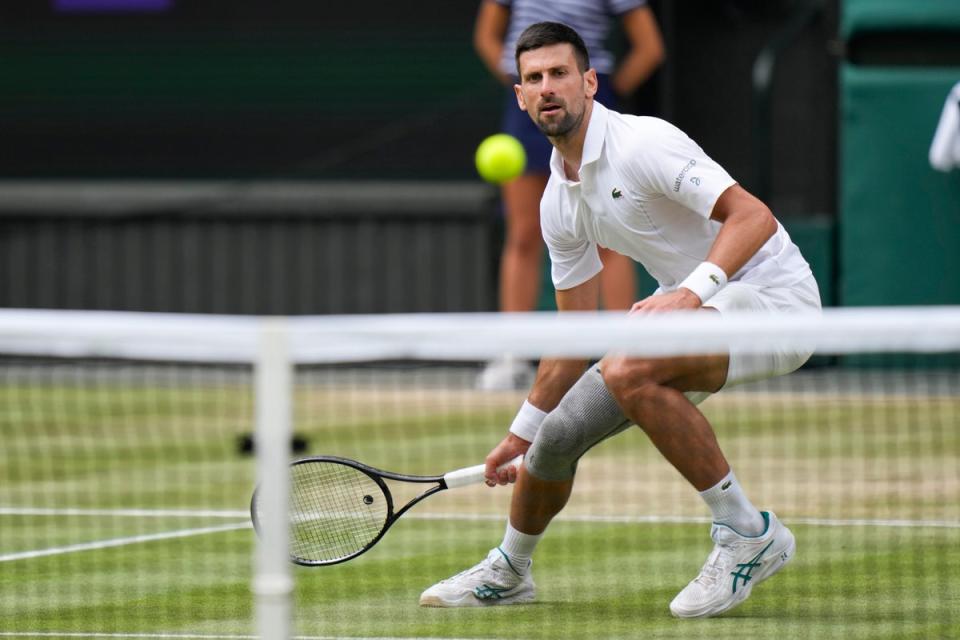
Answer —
(746, 568)
(486, 592)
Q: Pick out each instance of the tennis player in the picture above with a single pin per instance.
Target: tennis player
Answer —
(498, 26)
(643, 188)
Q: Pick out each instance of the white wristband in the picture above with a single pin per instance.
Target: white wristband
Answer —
(705, 280)
(527, 423)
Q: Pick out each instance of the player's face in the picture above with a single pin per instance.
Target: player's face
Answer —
(553, 90)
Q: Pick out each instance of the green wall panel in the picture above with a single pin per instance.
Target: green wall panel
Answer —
(816, 238)
(886, 15)
(899, 218)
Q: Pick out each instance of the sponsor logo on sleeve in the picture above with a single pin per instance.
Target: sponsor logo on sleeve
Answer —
(679, 180)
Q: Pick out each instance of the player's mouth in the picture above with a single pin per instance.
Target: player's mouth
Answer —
(550, 108)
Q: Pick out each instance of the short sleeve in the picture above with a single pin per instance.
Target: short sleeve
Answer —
(620, 7)
(573, 259)
(667, 162)
(573, 265)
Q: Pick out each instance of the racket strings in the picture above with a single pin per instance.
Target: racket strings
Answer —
(335, 511)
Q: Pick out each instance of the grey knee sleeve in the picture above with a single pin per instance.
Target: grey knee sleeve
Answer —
(585, 416)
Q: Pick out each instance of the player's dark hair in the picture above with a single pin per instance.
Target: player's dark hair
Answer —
(544, 34)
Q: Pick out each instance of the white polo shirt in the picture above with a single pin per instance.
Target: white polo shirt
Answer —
(646, 190)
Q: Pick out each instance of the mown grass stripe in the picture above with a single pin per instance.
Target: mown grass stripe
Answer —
(189, 636)
(124, 513)
(120, 542)
(485, 517)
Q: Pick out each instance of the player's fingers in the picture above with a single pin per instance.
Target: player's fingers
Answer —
(508, 475)
(490, 473)
(640, 306)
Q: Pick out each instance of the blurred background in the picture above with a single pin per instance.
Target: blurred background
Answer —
(300, 157)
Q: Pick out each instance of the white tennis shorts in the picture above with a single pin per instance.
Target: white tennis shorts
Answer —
(803, 297)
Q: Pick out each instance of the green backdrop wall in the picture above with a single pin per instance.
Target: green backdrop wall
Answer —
(899, 219)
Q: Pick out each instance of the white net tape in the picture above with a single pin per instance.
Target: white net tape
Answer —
(312, 339)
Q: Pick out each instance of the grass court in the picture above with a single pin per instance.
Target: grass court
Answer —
(123, 511)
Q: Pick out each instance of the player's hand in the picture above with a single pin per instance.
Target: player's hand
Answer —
(680, 300)
(511, 447)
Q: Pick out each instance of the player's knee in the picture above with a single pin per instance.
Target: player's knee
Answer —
(525, 241)
(628, 379)
(561, 436)
(556, 449)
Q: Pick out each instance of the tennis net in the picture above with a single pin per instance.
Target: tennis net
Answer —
(127, 468)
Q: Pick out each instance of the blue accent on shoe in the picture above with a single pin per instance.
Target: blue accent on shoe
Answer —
(509, 564)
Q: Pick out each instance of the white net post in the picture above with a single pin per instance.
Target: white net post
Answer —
(273, 581)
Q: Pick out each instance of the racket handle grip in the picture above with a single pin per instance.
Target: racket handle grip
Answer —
(474, 475)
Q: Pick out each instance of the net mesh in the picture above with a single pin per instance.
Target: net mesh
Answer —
(124, 488)
(121, 493)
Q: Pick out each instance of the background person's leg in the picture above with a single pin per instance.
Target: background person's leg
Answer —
(522, 257)
(618, 281)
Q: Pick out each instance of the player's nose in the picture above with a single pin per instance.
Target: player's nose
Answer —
(546, 87)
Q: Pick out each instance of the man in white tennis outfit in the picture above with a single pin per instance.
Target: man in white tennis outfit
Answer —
(640, 186)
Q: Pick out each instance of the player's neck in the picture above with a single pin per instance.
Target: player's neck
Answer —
(570, 146)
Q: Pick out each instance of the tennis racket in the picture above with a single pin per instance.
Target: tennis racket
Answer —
(340, 508)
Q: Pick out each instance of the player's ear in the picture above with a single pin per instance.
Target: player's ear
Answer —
(590, 82)
(520, 101)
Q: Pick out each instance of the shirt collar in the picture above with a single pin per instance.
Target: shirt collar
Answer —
(596, 133)
(592, 143)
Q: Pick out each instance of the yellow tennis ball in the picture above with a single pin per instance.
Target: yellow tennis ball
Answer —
(500, 158)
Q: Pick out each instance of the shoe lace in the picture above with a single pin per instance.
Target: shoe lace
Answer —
(477, 568)
(717, 565)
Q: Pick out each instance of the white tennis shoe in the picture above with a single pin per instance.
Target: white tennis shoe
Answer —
(506, 374)
(736, 564)
(491, 582)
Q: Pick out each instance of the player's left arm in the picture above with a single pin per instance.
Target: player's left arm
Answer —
(747, 224)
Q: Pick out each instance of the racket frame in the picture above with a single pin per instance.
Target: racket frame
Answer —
(378, 476)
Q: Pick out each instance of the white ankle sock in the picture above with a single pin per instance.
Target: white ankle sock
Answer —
(730, 507)
(518, 547)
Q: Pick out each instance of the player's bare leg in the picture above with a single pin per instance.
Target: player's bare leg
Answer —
(586, 415)
(749, 546)
(535, 502)
(650, 392)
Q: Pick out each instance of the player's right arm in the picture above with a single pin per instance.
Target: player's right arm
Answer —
(554, 378)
